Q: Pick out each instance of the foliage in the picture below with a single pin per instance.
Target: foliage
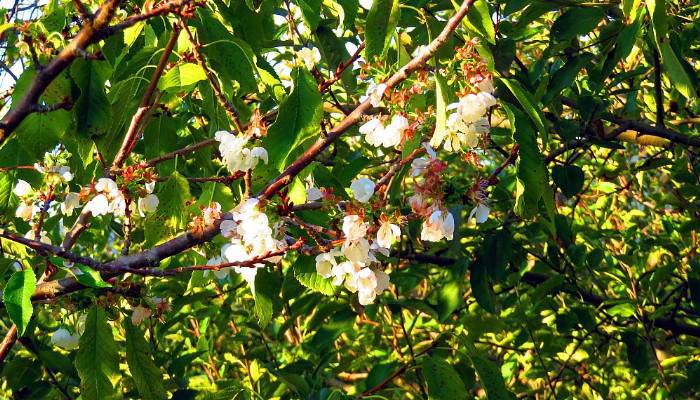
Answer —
(333, 199)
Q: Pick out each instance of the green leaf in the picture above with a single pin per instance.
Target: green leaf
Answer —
(576, 22)
(17, 297)
(442, 380)
(441, 102)
(531, 182)
(181, 76)
(564, 77)
(637, 350)
(41, 132)
(90, 277)
(449, 298)
(7, 183)
(97, 360)
(298, 119)
(174, 194)
(311, 10)
(676, 73)
(335, 53)
(481, 288)
(491, 379)
(305, 272)
(267, 290)
(230, 57)
(659, 21)
(93, 110)
(147, 376)
(381, 23)
(479, 21)
(529, 105)
(569, 178)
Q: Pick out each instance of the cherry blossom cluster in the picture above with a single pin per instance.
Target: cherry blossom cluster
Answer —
(101, 198)
(250, 237)
(234, 153)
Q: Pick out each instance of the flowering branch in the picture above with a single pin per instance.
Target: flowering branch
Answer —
(355, 116)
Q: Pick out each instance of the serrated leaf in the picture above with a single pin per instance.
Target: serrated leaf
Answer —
(90, 277)
(382, 19)
(575, 22)
(531, 182)
(147, 376)
(230, 57)
(481, 287)
(491, 379)
(449, 298)
(97, 360)
(311, 10)
(181, 76)
(659, 21)
(529, 105)
(93, 110)
(442, 380)
(173, 195)
(569, 178)
(7, 183)
(267, 290)
(305, 272)
(41, 132)
(479, 21)
(17, 297)
(298, 119)
(676, 73)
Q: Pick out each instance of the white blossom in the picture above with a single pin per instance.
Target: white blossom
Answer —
(70, 202)
(106, 185)
(393, 132)
(25, 211)
(356, 251)
(375, 93)
(354, 227)
(43, 238)
(22, 188)
(373, 131)
(325, 262)
(64, 339)
(480, 213)
(148, 204)
(474, 106)
(228, 228)
(220, 273)
(362, 189)
(308, 57)
(235, 155)
(387, 234)
(440, 224)
(313, 194)
(98, 205)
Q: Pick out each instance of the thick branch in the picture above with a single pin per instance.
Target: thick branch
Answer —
(89, 34)
(92, 31)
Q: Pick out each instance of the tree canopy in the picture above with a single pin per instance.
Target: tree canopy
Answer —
(390, 199)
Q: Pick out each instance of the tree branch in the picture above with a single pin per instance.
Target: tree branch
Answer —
(92, 31)
(139, 120)
(356, 116)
